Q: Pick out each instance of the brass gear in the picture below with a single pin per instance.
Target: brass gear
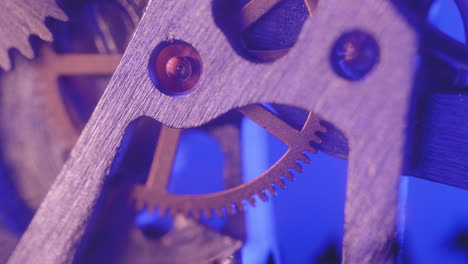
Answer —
(36, 142)
(44, 97)
(21, 19)
(154, 194)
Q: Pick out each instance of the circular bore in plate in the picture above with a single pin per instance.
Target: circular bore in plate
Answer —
(176, 68)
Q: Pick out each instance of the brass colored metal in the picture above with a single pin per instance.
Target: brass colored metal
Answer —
(254, 10)
(32, 92)
(177, 68)
(363, 110)
(163, 157)
(155, 194)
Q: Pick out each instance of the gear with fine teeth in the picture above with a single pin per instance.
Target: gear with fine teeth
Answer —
(154, 193)
(21, 19)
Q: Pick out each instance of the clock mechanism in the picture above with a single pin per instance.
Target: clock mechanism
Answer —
(247, 131)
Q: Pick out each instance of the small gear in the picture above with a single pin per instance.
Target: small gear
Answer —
(21, 19)
(154, 194)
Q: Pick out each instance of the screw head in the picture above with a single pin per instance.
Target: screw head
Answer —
(179, 68)
(176, 68)
(354, 55)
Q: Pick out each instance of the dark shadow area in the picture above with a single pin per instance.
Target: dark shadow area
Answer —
(330, 254)
(278, 30)
(95, 26)
(15, 215)
(458, 241)
(334, 142)
(113, 228)
(119, 232)
(443, 45)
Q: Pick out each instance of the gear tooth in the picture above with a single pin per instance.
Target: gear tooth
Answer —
(313, 150)
(262, 196)
(297, 167)
(230, 209)
(25, 49)
(162, 211)
(251, 201)
(280, 183)
(321, 128)
(317, 139)
(290, 176)
(5, 61)
(196, 214)
(304, 158)
(59, 14)
(272, 190)
(207, 213)
(309, 148)
(173, 212)
(219, 212)
(239, 206)
(45, 34)
(186, 212)
(34, 25)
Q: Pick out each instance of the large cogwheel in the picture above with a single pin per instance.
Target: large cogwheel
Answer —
(154, 193)
(21, 19)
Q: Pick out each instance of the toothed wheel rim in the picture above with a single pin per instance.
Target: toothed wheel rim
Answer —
(22, 19)
(232, 200)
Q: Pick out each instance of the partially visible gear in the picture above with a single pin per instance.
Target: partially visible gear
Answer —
(154, 193)
(57, 131)
(36, 142)
(58, 91)
(47, 120)
(21, 19)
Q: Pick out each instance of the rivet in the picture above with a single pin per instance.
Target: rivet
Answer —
(354, 55)
(176, 68)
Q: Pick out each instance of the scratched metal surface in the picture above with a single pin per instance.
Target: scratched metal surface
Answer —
(371, 205)
(200, 117)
